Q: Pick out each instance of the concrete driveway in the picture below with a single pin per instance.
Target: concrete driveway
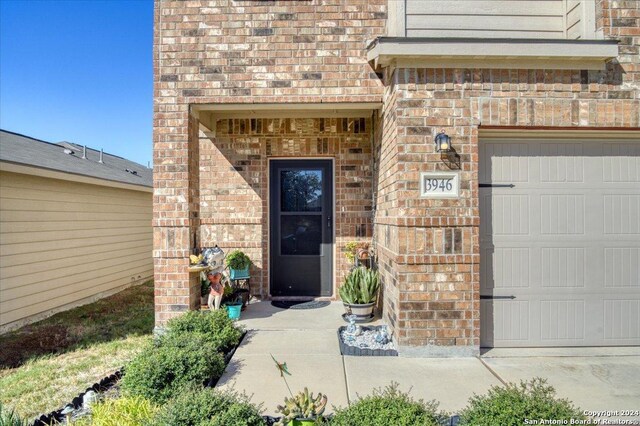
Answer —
(606, 379)
(595, 379)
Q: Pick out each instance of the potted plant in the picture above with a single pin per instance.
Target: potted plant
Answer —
(301, 409)
(356, 251)
(234, 307)
(360, 291)
(204, 290)
(238, 264)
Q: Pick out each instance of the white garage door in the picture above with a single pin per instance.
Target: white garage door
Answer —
(559, 242)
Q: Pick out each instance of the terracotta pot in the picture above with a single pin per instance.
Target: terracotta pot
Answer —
(363, 254)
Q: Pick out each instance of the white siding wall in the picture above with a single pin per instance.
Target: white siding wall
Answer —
(64, 243)
(580, 19)
(541, 19)
(486, 18)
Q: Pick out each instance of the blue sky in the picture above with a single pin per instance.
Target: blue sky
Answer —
(79, 71)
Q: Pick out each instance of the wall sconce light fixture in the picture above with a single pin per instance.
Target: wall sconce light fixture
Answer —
(443, 142)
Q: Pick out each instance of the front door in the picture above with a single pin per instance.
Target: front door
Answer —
(301, 227)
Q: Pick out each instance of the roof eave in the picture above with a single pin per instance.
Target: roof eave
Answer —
(410, 52)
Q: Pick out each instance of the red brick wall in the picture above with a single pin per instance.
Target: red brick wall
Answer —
(437, 254)
(428, 249)
(386, 208)
(222, 51)
(227, 51)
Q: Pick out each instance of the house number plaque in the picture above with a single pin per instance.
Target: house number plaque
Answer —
(439, 185)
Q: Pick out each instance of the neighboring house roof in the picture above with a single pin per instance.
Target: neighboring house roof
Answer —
(19, 149)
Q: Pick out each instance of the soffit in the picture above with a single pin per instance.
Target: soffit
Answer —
(419, 52)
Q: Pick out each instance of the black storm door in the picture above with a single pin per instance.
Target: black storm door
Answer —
(301, 227)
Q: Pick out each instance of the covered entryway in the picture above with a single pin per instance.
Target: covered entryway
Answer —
(301, 227)
(560, 241)
(268, 178)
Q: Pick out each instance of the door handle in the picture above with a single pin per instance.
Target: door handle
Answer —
(328, 221)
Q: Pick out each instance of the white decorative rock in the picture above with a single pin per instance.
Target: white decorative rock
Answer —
(89, 398)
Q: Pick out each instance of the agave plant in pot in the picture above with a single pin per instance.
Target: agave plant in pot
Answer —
(359, 292)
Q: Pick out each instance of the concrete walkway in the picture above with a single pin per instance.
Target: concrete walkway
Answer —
(307, 341)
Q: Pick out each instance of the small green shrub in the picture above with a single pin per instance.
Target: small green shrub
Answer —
(9, 417)
(215, 326)
(303, 405)
(512, 404)
(209, 407)
(237, 260)
(158, 372)
(124, 411)
(386, 407)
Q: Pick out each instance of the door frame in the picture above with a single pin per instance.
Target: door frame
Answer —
(335, 226)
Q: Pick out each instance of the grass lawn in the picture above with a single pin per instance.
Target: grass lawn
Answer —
(46, 364)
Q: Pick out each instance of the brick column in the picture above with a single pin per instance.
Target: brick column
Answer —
(428, 248)
(175, 212)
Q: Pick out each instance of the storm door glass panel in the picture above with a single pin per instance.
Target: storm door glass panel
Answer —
(301, 190)
(301, 234)
(301, 201)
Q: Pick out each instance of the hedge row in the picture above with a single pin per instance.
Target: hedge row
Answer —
(190, 353)
(505, 406)
(165, 385)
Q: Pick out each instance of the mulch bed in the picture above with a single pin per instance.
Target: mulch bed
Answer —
(33, 341)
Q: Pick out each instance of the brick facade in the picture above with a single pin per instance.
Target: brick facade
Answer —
(211, 183)
(432, 246)
(223, 51)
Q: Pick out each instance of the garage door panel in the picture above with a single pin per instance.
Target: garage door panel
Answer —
(561, 163)
(562, 321)
(562, 214)
(511, 214)
(511, 321)
(560, 249)
(622, 267)
(505, 268)
(622, 162)
(563, 267)
(511, 163)
(622, 320)
(622, 214)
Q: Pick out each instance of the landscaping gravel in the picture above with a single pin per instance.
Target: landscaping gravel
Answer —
(366, 340)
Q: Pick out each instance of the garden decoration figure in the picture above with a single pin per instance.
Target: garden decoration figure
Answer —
(353, 328)
(382, 336)
(213, 256)
(282, 369)
(217, 289)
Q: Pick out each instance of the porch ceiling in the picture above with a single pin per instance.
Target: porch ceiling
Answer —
(209, 113)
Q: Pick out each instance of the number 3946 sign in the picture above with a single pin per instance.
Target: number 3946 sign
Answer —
(439, 185)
